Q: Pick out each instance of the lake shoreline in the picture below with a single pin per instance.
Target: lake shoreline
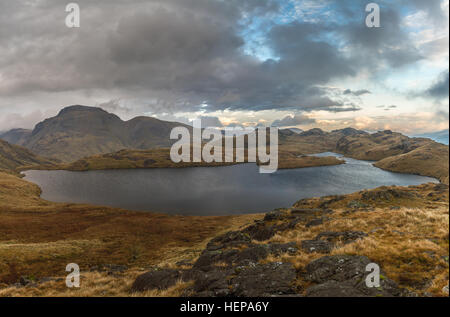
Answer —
(227, 190)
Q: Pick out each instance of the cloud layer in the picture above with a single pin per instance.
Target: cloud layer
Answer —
(204, 55)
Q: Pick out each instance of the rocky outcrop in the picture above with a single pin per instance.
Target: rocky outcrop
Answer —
(231, 264)
(234, 264)
(345, 276)
(324, 242)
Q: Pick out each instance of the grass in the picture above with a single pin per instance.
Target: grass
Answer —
(411, 244)
(418, 162)
(94, 284)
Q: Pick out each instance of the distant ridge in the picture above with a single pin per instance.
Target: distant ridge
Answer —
(13, 157)
(79, 131)
(439, 136)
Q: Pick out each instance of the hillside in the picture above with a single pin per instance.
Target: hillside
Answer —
(160, 158)
(13, 157)
(80, 131)
(377, 146)
(16, 136)
(428, 160)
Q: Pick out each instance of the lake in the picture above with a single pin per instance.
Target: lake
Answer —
(205, 191)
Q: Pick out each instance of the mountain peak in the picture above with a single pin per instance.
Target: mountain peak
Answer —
(78, 108)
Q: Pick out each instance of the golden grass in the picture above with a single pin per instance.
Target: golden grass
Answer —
(410, 244)
(94, 284)
(428, 160)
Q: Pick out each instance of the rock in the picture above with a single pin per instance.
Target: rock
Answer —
(23, 281)
(161, 279)
(305, 211)
(309, 214)
(184, 263)
(208, 258)
(318, 246)
(345, 275)
(317, 222)
(261, 231)
(275, 215)
(356, 204)
(333, 289)
(445, 289)
(330, 200)
(338, 268)
(252, 254)
(229, 239)
(385, 194)
(211, 284)
(345, 237)
(278, 249)
(264, 280)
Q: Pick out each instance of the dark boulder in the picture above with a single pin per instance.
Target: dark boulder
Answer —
(161, 279)
(345, 275)
(229, 239)
(318, 246)
(264, 280)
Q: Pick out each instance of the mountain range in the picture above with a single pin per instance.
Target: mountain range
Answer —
(80, 131)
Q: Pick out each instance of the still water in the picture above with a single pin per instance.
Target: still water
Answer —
(225, 190)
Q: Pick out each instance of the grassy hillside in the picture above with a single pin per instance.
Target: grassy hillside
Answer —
(377, 146)
(428, 160)
(160, 158)
(13, 157)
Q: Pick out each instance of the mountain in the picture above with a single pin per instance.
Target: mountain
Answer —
(16, 136)
(349, 131)
(296, 130)
(377, 146)
(80, 131)
(439, 136)
(14, 156)
(430, 159)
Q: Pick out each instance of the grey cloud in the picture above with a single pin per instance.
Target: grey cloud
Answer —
(440, 88)
(175, 55)
(210, 122)
(16, 120)
(298, 119)
(356, 92)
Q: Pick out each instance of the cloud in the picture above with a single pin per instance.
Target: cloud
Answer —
(387, 108)
(293, 120)
(172, 56)
(440, 88)
(16, 120)
(356, 92)
(210, 122)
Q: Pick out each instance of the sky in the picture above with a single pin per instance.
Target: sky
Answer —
(285, 63)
